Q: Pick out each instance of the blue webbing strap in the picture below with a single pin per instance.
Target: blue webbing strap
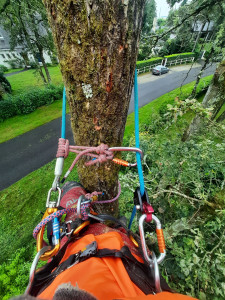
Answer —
(137, 144)
(63, 128)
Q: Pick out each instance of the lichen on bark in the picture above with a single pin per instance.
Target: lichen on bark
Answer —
(97, 44)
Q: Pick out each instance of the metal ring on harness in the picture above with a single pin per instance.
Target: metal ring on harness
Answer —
(34, 265)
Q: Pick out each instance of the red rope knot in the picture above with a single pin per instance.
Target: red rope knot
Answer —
(103, 155)
(63, 148)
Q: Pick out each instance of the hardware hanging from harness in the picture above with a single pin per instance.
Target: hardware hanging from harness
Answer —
(81, 206)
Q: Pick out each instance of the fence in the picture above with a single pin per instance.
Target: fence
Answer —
(180, 61)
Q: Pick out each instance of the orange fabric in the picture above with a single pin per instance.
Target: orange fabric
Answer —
(105, 278)
(161, 296)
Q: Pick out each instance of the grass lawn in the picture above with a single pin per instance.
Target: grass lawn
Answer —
(24, 81)
(26, 198)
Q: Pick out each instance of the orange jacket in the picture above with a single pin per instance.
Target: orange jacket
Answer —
(105, 278)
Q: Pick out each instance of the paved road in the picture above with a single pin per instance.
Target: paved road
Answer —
(14, 73)
(32, 150)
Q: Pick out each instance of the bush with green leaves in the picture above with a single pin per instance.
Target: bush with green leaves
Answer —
(3, 68)
(5, 86)
(27, 102)
(173, 57)
(148, 62)
(186, 186)
(14, 274)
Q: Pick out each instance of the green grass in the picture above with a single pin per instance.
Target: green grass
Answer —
(18, 125)
(26, 198)
(27, 80)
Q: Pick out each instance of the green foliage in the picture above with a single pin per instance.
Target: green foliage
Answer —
(179, 56)
(26, 103)
(185, 183)
(5, 86)
(148, 62)
(3, 68)
(14, 275)
(148, 16)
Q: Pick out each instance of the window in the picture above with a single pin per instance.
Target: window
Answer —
(3, 55)
(14, 55)
(8, 55)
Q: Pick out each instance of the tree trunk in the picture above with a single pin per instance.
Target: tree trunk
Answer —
(44, 65)
(193, 94)
(215, 98)
(198, 36)
(40, 71)
(97, 44)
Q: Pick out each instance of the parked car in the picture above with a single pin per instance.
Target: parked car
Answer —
(158, 70)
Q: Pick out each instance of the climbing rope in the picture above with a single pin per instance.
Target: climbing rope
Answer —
(137, 144)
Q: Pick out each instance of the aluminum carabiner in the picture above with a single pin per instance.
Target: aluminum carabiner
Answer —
(34, 265)
(160, 238)
(122, 162)
(153, 261)
(52, 252)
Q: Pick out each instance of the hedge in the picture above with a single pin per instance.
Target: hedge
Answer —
(179, 55)
(26, 103)
(148, 62)
(158, 60)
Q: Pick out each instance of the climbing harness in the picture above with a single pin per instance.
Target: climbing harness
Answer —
(60, 226)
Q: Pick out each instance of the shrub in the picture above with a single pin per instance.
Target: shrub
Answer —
(149, 62)
(27, 102)
(5, 86)
(179, 56)
(3, 68)
(14, 274)
(185, 183)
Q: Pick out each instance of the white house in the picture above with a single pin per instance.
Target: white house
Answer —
(7, 55)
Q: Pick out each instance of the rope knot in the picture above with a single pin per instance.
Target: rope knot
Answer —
(103, 155)
(63, 148)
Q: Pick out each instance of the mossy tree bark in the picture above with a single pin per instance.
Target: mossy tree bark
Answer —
(215, 98)
(97, 43)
